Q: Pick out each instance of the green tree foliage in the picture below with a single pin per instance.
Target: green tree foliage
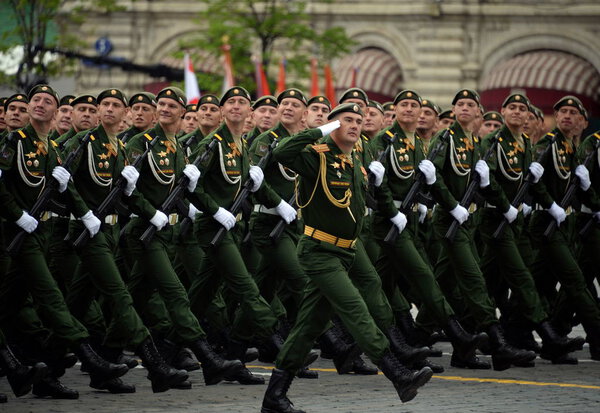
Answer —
(274, 25)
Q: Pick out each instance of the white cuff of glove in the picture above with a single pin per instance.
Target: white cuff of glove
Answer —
(27, 222)
(537, 170)
(482, 168)
(511, 214)
(257, 175)
(159, 220)
(131, 175)
(428, 170)
(584, 177)
(422, 209)
(460, 214)
(193, 174)
(91, 222)
(225, 218)
(62, 176)
(286, 211)
(557, 212)
(192, 212)
(329, 127)
(526, 209)
(378, 170)
(399, 220)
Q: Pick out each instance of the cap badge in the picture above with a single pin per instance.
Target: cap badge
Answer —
(113, 92)
(292, 92)
(236, 91)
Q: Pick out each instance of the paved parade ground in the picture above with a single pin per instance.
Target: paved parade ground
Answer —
(545, 388)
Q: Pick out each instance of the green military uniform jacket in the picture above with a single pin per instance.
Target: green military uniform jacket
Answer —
(190, 140)
(400, 166)
(26, 168)
(64, 138)
(253, 134)
(99, 164)
(586, 147)
(332, 185)
(158, 175)
(129, 133)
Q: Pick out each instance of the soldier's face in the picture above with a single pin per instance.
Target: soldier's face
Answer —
(63, 118)
(530, 125)
(42, 107)
(515, 114)
(209, 116)
(85, 116)
(373, 121)
(488, 126)
(427, 119)
(169, 112)
(265, 117)
(248, 123)
(445, 123)
(407, 113)
(111, 111)
(388, 117)
(316, 115)
(190, 122)
(236, 109)
(143, 115)
(291, 111)
(566, 116)
(16, 115)
(349, 130)
(2, 122)
(466, 111)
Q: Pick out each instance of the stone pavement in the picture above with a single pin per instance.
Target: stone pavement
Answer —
(545, 388)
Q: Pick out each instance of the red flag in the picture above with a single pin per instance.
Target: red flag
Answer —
(227, 65)
(329, 90)
(281, 78)
(314, 86)
(262, 85)
(192, 92)
(354, 74)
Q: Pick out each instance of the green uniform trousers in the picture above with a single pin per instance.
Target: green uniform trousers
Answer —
(329, 291)
(63, 259)
(502, 260)
(152, 271)
(98, 273)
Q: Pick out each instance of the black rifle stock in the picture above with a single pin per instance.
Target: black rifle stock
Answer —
(48, 192)
(524, 189)
(171, 202)
(471, 189)
(414, 190)
(571, 191)
(115, 193)
(243, 194)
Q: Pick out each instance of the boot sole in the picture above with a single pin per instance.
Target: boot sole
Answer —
(500, 365)
(166, 383)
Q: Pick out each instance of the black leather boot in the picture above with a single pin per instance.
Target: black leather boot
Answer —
(593, 339)
(100, 368)
(360, 367)
(405, 353)
(269, 349)
(405, 381)
(236, 350)
(161, 375)
(418, 365)
(503, 354)
(20, 377)
(128, 360)
(553, 345)
(114, 386)
(184, 360)
(464, 344)
(342, 353)
(276, 400)
(49, 386)
(214, 367)
(471, 361)
(306, 373)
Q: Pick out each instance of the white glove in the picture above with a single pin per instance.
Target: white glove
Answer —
(257, 176)
(0, 173)
(422, 210)
(596, 216)
(131, 175)
(584, 177)
(27, 222)
(482, 168)
(378, 170)
(225, 218)
(193, 174)
(511, 214)
(62, 176)
(399, 221)
(286, 211)
(92, 223)
(460, 214)
(557, 213)
(159, 220)
(526, 210)
(329, 127)
(192, 212)
(428, 169)
(537, 170)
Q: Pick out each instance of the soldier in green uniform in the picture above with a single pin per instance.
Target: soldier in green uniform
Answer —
(332, 184)
(402, 259)
(102, 161)
(446, 119)
(492, 121)
(62, 123)
(189, 123)
(223, 174)
(554, 253)
(373, 119)
(317, 109)
(152, 269)
(209, 117)
(2, 120)
(266, 116)
(389, 114)
(455, 165)
(501, 258)
(16, 115)
(84, 117)
(28, 163)
(143, 115)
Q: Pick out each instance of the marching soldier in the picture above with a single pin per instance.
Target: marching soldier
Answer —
(266, 116)
(326, 252)
(492, 121)
(209, 117)
(316, 111)
(142, 107)
(190, 119)
(446, 119)
(389, 114)
(373, 119)
(84, 117)
(16, 115)
(62, 123)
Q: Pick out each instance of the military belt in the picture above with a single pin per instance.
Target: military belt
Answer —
(263, 209)
(330, 239)
(488, 205)
(111, 219)
(55, 215)
(46, 215)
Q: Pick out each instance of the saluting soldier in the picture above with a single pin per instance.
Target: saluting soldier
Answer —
(326, 252)
(554, 253)
(502, 258)
(28, 163)
(152, 270)
(223, 174)
(455, 165)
